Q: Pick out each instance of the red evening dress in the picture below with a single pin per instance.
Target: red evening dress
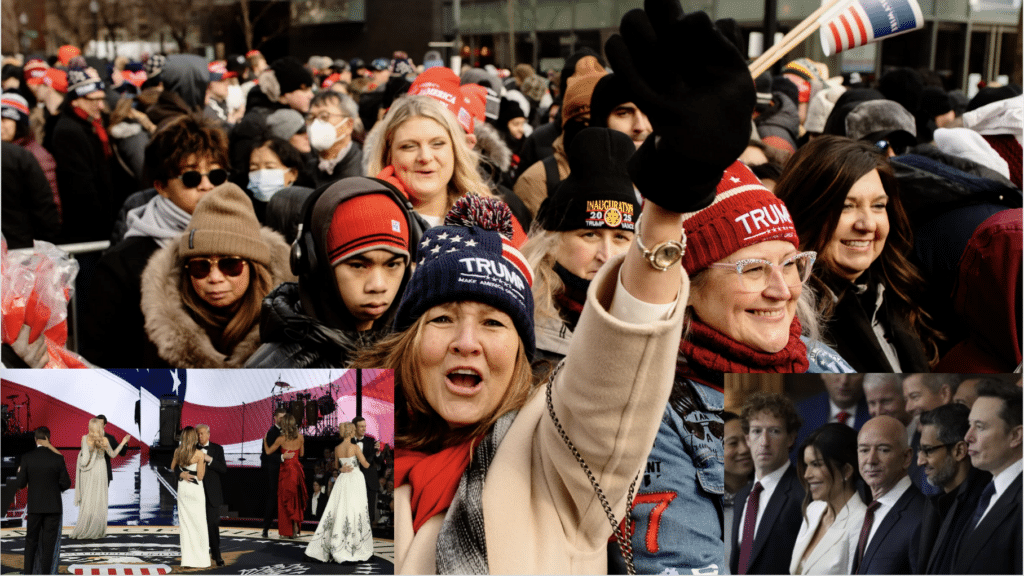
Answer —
(291, 493)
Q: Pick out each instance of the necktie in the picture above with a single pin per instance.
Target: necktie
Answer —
(749, 524)
(986, 496)
(843, 416)
(865, 531)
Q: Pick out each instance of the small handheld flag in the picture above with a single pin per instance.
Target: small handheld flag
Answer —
(859, 22)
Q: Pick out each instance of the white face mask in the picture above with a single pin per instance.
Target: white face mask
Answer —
(235, 98)
(265, 183)
(323, 135)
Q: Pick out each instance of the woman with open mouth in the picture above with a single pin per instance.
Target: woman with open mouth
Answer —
(844, 198)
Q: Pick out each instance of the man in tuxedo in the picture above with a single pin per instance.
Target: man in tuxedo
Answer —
(317, 501)
(843, 401)
(991, 543)
(271, 464)
(216, 465)
(371, 451)
(113, 442)
(946, 464)
(767, 512)
(894, 514)
(47, 475)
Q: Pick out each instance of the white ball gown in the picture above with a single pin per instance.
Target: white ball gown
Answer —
(344, 533)
(195, 539)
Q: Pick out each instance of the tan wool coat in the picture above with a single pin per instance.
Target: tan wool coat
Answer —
(532, 185)
(541, 513)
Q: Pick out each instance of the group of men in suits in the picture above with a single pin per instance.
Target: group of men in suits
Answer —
(271, 464)
(971, 456)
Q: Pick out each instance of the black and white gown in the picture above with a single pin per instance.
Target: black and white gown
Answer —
(195, 539)
(344, 533)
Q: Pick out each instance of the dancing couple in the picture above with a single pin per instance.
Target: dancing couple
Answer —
(199, 464)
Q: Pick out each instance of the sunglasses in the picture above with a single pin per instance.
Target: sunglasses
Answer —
(193, 178)
(200, 268)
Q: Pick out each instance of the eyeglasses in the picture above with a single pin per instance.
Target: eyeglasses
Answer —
(200, 268)
(194, 178)
(755, 273)
(929, 449)
(325, 116)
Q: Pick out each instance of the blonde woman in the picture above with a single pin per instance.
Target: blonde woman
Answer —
(91, 482)
(421, 149)
(291, 482)
(190, 465)
(344, 533)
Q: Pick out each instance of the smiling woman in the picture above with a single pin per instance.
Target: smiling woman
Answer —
(845, 202)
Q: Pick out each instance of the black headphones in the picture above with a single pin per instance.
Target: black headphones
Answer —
(304, 254)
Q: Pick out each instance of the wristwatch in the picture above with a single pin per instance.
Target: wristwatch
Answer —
(664, 254)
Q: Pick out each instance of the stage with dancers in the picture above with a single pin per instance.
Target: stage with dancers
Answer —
(209, 471)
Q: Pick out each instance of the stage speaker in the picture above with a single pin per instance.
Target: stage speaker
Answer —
(170, 420)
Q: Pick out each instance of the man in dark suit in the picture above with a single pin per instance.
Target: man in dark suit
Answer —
(216, 466)
(943, 457)
(47, 475)
(371, 451)
(894, 515)
(767, 512)
(924, 392)
(991, 543)
(317, 501)
(113, 442)
(843, 401)
(271, 464)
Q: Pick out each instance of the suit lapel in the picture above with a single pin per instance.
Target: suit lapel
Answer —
(890, 521)
(832, 537)
(737, 514)
(1008, 503)
(775, 505)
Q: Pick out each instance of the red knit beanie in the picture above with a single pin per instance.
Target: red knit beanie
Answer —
(744, 213)
(364, 223)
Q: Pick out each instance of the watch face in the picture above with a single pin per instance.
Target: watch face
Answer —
(667, 254)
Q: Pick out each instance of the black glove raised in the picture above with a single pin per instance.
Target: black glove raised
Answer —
(694, 86)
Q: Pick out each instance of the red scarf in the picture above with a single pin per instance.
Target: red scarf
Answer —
(711, 349)
(97, 127)
(433, 478)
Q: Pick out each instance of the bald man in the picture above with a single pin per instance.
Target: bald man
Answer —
(894, 514)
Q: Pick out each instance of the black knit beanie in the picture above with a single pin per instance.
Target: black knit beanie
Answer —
(610, 92)
(291, 75)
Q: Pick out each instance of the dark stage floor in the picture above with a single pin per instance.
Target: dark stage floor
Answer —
(153, 550)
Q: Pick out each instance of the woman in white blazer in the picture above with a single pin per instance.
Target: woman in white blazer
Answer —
(833, 510)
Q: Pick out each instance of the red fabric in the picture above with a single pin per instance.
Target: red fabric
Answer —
(1009, 148)
(778, 143)
(749, 524)
(843, 416)
(291, 493)
(442, 84)
(66, 52)
(366, 223)
(97, 127)
(433, 478)
(865, 531)
(711, 349)
(47, 163)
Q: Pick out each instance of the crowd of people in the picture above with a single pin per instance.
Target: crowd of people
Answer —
(880, 474)
(484, 239)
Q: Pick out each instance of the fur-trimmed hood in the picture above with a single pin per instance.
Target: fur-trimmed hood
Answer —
(490, 144)
(180, 340)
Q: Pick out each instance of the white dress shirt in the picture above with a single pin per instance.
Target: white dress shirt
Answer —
(885, 503)
(1002, 481)
(768, 485)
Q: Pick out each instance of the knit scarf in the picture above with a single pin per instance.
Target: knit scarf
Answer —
(713, 350)
(159, 219)
(570, 300)
(97, 127)
(453, 480)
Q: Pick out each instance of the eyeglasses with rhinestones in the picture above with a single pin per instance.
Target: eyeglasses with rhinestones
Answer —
(755, 273)
(199, 268)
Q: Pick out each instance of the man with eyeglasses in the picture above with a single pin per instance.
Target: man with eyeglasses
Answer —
(186, 159)
(329, 126)
(81, 149)
(943, 456)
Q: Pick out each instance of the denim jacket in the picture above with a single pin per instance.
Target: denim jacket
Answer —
(677, 511)
(824, 360)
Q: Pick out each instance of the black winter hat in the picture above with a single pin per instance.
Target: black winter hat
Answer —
(291, 75)
(904, 85)
(836, 122)
(598, 192)
(509, 110)
(610, 92)
(989, 95)
(786, 86)
(934, 102)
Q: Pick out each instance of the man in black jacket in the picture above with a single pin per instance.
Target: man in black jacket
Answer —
(271, 464)
(48, 475)
(113, 442)
(371, 451)
(29, 212)
(216, 465)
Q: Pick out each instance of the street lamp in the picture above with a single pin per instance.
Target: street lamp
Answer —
(24, 39)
